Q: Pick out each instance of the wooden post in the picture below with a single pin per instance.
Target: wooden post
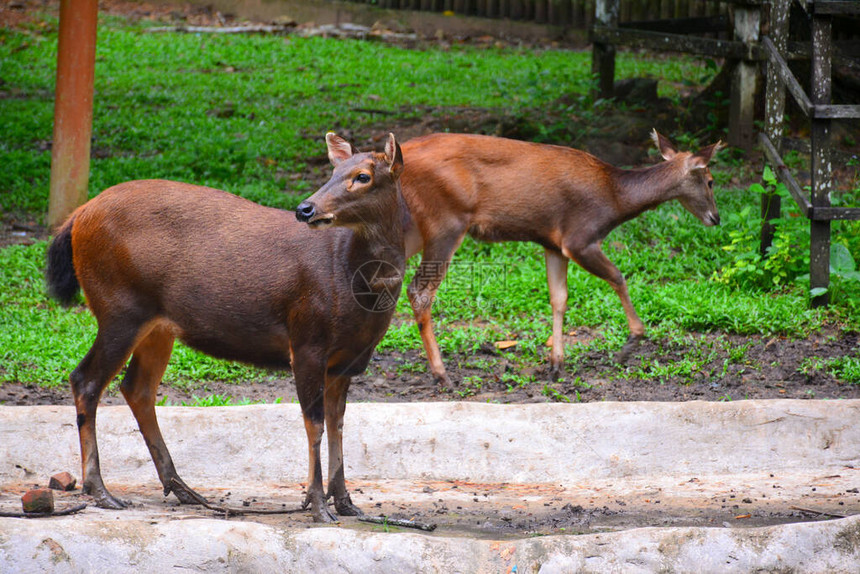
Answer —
(819, 231)
(742, 111)
(774, 113)
(73, 108)
(603, 55)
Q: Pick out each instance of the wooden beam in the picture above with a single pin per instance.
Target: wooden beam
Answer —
(700, 25)
(784, 175)
(836, 112)
(661, 42)
(835, 213)
(786, 76)
(835, 7)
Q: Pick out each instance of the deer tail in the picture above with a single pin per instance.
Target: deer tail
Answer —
(60, 277)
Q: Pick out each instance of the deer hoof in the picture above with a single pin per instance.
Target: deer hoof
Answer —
(109, 501)
(183, 492)
(322, 514)
(555, 373)
(345, 507)
(628, 348)
(443, 381)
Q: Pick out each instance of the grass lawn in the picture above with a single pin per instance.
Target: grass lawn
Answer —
(248, 114)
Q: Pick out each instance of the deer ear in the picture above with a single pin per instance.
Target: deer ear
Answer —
(664, 146)
(338, 148)
(702, 157)
(394, 157)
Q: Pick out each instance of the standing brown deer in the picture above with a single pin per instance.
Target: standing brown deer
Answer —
(566, 200)
(160, 260)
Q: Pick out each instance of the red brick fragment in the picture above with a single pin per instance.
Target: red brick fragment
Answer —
(62, 481)
(38, 500)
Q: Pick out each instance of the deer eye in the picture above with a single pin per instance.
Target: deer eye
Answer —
(362, 178)
(711, 184)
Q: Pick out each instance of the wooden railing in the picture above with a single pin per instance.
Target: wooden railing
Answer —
(565, 13)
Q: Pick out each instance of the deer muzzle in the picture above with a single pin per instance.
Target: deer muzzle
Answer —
(308, 213)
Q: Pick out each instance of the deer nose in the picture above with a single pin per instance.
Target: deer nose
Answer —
(714, 218)
(305, 211)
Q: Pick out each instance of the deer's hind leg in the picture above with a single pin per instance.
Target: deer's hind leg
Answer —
(422, 291)
(111, 349)
(139, 387)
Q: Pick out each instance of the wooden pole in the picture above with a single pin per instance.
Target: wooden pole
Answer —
(819, 231)
(603, 55)
(742, 111)
(774, 113)
(73, 108)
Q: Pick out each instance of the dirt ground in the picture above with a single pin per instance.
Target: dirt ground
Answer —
(773, 369)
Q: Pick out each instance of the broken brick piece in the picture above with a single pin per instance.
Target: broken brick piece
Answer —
(62, 481)
(39, 500)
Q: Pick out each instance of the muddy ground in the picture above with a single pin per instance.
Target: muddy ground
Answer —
(774, 368)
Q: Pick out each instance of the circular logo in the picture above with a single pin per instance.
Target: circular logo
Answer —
(376, 286)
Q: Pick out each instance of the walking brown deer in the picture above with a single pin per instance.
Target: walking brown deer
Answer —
(564, 199)
(160, 260)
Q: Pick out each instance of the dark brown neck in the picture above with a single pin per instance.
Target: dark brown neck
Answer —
(642, 189)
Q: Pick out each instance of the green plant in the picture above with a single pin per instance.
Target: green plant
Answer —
(514, 380)
(846, 369)
(556, 395)
(216, 400)
(470, 385)
(786, 258)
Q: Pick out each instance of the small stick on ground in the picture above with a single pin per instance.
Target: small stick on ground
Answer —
(64, 512)
(227, 511)
(384, 520)
(810, 511)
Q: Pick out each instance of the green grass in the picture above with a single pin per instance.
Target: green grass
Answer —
(244, 113)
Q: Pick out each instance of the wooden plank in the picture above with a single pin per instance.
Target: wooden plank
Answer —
(835, 112)
(784, 175)
(835, 7)
(700, 25)
(786, 76)
(660, 42)
(835, 213)
(822, 170)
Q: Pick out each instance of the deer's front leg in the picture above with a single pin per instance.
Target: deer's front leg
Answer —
(335, 406)
(556, 276)
(309, 368)
(593, 260)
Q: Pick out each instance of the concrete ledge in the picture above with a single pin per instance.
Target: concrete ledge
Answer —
(689, 453)
(534, 443)
(66, 545)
